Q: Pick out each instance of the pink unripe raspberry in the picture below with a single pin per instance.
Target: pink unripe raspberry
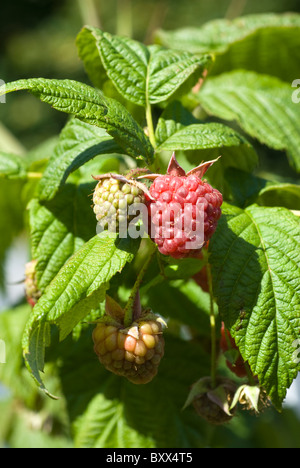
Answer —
(134, 352)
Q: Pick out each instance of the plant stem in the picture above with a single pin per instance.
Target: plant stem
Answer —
(34, 175)
(251, 379)
(128, 311)
(89, 13)
(156, 19)
(212, 330)
(124, 26)
(150, 125)
(151, 133)
(235, 9)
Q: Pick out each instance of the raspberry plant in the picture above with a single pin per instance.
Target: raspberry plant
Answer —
(178, 96)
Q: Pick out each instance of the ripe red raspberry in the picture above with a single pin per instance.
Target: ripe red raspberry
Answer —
(184, 211)
(227, 344)
(112, 197)
(32, 292)
(133, 352)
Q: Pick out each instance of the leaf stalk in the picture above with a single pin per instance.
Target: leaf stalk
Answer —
(150, 126)
(212, 329)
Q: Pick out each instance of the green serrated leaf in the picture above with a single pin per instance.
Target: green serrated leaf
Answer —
(203, 136)
(174, 118)
(109, 418)
(35, 354)
(276, 194)
(107, 411)
(262, 105)
(205, 142)
(244, 186)
(79, 142)
(57, 229)
(77, 289)
(143, 75)
(90, 106)
(182, 301)
(255, 258)
(89, 54)
(125, 62)
(247, 189)
(168, 70)
(272, 39)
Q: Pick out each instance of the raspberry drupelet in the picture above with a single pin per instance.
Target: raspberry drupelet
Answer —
(184, 210)
(112, 197)
(133, 351)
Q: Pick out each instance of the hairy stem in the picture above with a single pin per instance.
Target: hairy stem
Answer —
(34, 175)
(150, 125)
(124, 19)
(212, 329)
(235, 9)
(89, 12)
(129, 309)
(250, 377)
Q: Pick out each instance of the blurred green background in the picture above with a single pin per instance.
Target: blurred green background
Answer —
(37, 39)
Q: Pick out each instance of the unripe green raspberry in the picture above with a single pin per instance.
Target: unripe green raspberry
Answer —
(112, 197)
(134, 352)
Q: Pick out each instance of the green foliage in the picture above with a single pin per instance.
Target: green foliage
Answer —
(77, 289)
(91, 106)
(57, 231)
(251, 42)
(109, 412)
(255, 261)
(12, 166)
(11, 219)
(262, 105)
(143, 75)
(232, 105)
(79, 142)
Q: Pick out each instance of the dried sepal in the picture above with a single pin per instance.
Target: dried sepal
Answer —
(125, 180)
(113, 309)
(203, 168)
(252, 398)
(174, 168)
